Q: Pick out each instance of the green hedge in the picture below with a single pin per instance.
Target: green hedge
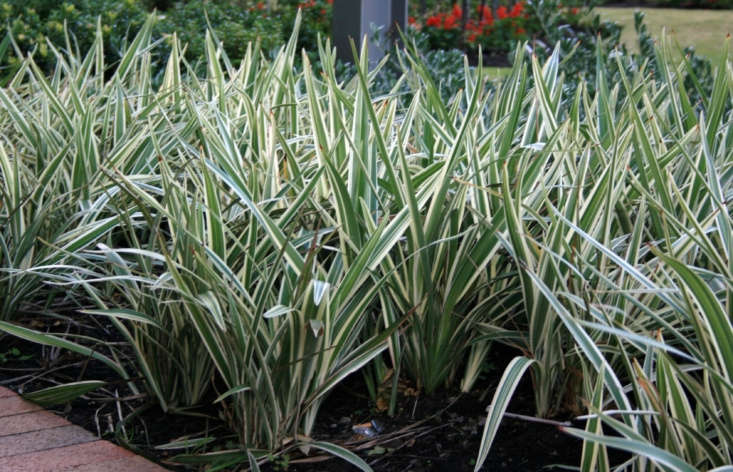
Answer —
(234, 26)
(33, 24)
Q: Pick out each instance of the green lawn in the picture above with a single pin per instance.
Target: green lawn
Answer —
(704, 29)
(497, 72)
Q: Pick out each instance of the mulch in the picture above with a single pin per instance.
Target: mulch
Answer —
(440, 432)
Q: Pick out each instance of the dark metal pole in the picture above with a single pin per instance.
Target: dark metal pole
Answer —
(354, 19)
(464, 20)
(346, 26)
(399, 14)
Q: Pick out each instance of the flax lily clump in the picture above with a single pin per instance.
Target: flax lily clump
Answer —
(258, 233)
(627, 249)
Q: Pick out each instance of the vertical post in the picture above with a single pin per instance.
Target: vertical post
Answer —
(399, 15)
(465, 16)
(354, 19)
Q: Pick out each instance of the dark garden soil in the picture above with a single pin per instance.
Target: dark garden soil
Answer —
(438, 433)
(491, 58)
(428, 433)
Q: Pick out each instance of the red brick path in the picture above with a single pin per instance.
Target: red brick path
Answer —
(34, 440)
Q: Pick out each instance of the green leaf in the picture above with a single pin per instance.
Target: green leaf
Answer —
(504, 391)
(51, 340)
(664, 458)
(342, 453)
(232, 391)
(60, 394)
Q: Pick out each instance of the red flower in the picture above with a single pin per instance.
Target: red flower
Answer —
(516, 10)
(410, 19)
(501, 12)
(457, 12)
(486, 17)
(450, 22)
(434, 21)
(520, 31)
(574, 10)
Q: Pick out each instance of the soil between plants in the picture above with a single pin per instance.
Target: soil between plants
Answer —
(440, 432)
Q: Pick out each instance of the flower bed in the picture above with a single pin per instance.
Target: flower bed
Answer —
(446, 30)
(239, 243)
(542, 24)
(33, 24)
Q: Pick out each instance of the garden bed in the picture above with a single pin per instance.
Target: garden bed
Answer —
(283, 249)
(440, 432)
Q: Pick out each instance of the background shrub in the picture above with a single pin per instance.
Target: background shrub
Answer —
(234, 26)
(34, 23)
(316, 15)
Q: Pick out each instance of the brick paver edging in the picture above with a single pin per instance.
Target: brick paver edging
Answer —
(34, 440)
